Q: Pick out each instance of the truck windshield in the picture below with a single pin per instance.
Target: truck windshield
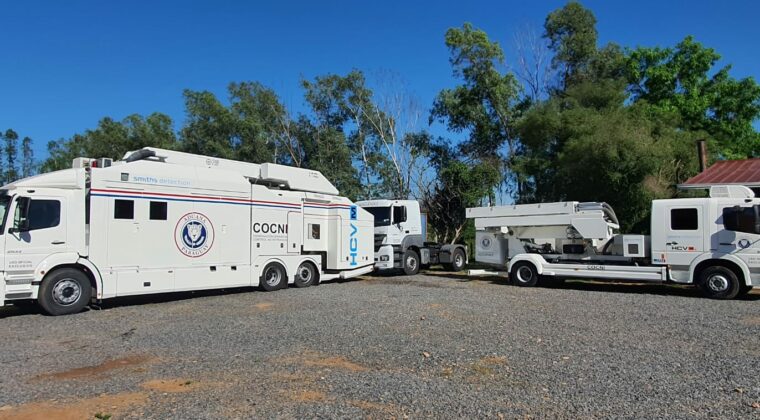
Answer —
(5, 200)
(382, 215)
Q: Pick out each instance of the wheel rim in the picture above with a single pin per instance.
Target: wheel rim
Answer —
(272, 276)
(718, 283)
(67, 292)
(459, 260)
(524, 274)
(411, 262)
(305, 273)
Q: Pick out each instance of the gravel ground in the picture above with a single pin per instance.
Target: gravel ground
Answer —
(433, 345)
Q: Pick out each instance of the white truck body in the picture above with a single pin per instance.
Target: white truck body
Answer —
(164, 221)
(580, 240)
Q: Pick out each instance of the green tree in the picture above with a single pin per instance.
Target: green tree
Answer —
(683, 83)
(11, 150)
(458, 184)
(112, 139)
(487, 105)
(571, 31)
(344, 103)
(27, 158)
(210, 127)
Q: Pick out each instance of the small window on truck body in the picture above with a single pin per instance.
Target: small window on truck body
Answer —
(684, 219)
(158, 210)
(124, 209)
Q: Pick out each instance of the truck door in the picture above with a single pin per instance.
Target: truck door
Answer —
(684, 234)
(44, 235)
(398, 229)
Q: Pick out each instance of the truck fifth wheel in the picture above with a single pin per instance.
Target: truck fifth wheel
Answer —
(713, 242)
(163, 221)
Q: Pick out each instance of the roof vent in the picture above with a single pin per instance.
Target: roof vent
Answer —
(731, 191)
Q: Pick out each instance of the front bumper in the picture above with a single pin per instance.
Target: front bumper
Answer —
(384, 257)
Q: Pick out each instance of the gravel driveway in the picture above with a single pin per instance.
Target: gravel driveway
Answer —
(432, 345)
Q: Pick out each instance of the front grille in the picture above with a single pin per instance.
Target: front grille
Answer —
(379, 239)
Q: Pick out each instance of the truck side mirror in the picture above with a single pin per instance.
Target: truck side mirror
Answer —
(21, 217)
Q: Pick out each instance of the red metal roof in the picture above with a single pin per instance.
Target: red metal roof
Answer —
(727, 172)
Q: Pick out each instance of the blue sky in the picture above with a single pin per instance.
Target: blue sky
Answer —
(66, 64)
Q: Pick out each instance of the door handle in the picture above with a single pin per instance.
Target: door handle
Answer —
(58, 242)
(672, 243)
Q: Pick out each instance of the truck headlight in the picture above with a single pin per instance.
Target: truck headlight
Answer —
(384, 258)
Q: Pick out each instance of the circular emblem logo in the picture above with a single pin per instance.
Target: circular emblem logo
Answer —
(744, 243)
(194, 235)
(485, 242)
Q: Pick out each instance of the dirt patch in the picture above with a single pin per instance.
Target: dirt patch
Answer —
(493, 360)
(264, 306)
(305, 396)
(751, 320)
(171, 385)
(487, 365)
(334, 362)
(98, 370)
(76, 410)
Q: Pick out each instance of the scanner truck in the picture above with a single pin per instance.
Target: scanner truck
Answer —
(400, 239)
(164, 221)
(711, 242)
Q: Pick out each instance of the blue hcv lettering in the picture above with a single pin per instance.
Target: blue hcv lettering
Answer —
(353, 244)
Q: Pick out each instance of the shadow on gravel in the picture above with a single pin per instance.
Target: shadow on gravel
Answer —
(29, 307)
(596, 286)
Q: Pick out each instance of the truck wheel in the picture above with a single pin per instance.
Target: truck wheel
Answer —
(411, 262)
(457, 261)
(306, 275)
(719, 282)
(273, 277)
(64, 291)
(524, 274)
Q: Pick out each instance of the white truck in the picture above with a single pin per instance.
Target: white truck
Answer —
(400, 239)
(713, 242)
(164, 221)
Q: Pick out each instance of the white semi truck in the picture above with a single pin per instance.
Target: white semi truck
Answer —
(713, 242)
(400, 239)
(163, 221)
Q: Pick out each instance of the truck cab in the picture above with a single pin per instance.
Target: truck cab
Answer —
(42, 224)
(713, 242)
(400, 238)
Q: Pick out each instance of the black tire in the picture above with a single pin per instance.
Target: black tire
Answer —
(719, 282)
(273, 277)
(306, 275)
(457, 261)
(411, 262)
(64, 291)
(524, 274)
(744, 290)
